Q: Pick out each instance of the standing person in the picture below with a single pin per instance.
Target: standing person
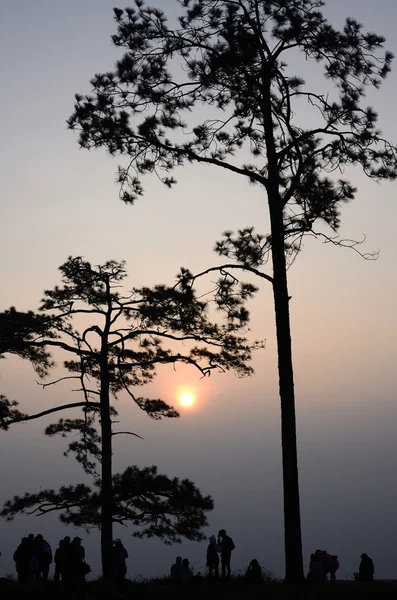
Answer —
(226, 546)
(65, 563)
(43, 552)
(316, 569)
(176, 570)
(213, 558)
(333, 566)
(119, 557)
(34, 566)
(58, 561)
(61, 558)
(22, 559)
(77, 565)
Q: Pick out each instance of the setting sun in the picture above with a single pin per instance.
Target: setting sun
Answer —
(186, 399)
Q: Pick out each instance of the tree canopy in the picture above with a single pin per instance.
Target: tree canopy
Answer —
(226, 55)
(154, 504)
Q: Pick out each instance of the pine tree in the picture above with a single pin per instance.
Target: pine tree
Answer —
(118, 351)
(232, 56)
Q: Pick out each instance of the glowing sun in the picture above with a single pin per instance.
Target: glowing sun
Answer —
(186, 399)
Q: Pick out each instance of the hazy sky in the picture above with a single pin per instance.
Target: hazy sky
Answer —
(57, 200)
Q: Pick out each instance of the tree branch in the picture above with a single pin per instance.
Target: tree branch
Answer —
(127, 433)
(53, 410)
(232, 266)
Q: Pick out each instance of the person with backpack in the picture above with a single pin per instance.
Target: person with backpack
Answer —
(78, 568)
(226, 546)
(43, 553)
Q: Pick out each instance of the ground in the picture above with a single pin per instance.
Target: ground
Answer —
(236, 589)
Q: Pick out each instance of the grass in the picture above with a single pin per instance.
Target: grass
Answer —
(161, 589)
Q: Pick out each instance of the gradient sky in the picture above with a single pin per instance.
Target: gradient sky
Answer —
(57, 200)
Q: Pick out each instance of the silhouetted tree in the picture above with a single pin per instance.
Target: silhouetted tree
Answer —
(119, 350)
(231, 56)
(155, 504)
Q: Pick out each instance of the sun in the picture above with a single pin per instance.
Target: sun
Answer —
(186, 399)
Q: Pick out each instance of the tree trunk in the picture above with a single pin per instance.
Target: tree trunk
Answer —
(106, 434)
(106, 477)
(292, 519)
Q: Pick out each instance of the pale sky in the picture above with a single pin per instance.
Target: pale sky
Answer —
(57, 200)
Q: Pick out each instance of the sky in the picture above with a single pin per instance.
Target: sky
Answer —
(57, 200)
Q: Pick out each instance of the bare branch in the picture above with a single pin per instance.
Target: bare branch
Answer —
(127, 433)
(53, 410)
(347, 243)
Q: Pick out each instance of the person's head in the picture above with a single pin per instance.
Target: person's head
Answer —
(185, 562)
(24, 540)
(364, 555)
(222, 533)
(39, 537)
(31, 537)
(178, 560)
(212, 539)
(76, 541)
(334, 557)
(117, 542)
(314, 557)
(66, 539)
(254, 564)
(61, 543)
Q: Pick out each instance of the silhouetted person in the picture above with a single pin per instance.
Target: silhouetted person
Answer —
(65, 562)
(226, 546)
(333, 566)
(58, 561)
(22, 558)
(253, 574)
(186, 573)
(213, 558)
(62, 560)
(119, 556)
(77, 566)
(316, 569)
(366, 569)
(33, 566)
(43, 553)
(176, 570)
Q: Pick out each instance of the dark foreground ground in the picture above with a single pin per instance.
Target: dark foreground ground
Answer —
(235, 589)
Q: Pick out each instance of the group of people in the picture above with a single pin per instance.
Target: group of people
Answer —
(221, 548)
(323, 564)
(33, 559)
(218, 551)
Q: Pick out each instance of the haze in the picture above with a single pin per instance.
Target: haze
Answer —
(58, 201)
